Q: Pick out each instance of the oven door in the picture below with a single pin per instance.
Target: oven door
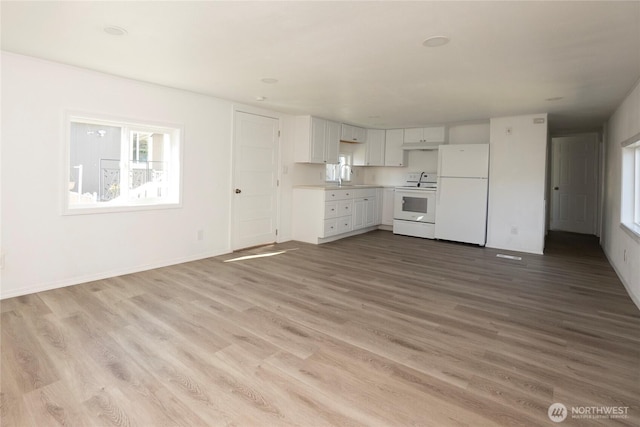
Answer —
(415, 205)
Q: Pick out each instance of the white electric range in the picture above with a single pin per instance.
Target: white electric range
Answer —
(414, 211)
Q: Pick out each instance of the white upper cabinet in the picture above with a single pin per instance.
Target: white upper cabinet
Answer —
(316, 140)
(371, 153)
(429, 135)
(394, 155)
(332, 148)
(375, 147)
(353, 133)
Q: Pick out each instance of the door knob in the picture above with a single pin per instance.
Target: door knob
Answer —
(238, 191)
(556, 188)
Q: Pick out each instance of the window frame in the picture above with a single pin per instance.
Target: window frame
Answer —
(630, 191)
(175, 187)
(336, 170)
(636, 218)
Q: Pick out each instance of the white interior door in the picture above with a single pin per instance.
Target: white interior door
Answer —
(255, 180)
(574, 183)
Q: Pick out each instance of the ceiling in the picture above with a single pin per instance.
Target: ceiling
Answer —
(357, 62)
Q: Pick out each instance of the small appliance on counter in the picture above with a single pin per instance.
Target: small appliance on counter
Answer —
(414, 210)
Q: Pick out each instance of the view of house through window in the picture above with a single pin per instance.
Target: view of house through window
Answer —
(122, 165)
(339, 170)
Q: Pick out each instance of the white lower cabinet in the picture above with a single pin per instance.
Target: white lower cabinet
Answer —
(364, 212)
(321, 215)
(388, 200)
(358, 213)
(344, 224)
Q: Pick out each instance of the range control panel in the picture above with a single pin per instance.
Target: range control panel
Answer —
(413, 178)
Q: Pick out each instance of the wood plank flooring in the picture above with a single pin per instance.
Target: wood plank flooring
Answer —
(377, 330)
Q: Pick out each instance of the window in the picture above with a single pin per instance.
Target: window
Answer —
(630, 209)
(636, 183)
(121, 165)
(341, 169)
(636, 216)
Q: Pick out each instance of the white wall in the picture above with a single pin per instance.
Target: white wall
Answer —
(624, 124)
(470, 133)
(517, 179)
(45, 249)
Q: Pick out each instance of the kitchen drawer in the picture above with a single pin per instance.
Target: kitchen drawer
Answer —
(344, 224)
(364, 192)
(345, 207)
(338, 195)
(330, 227)
(414, 229)
(330, 210)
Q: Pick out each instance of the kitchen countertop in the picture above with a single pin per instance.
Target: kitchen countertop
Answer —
(337, 187)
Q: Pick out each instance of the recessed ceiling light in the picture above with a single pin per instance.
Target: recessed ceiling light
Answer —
(260, 98)
(555, 98)
(112, 30)
(269, 80)
(436, 41)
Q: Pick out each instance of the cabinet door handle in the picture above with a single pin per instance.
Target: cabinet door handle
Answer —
(238, 191)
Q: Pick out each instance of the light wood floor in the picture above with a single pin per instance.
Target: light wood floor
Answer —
(372, 330)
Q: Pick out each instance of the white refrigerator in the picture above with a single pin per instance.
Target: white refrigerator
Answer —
(463, 187)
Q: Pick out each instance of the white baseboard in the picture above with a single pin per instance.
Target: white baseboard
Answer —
(634, 298)
(343, 235)
(103, 275)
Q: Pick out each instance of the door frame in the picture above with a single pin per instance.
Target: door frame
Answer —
(599, 177)
(232, 180)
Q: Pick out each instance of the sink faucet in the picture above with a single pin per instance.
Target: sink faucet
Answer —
(340, 173)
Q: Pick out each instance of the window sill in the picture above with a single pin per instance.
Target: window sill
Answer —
(92, 209)
(632, 230)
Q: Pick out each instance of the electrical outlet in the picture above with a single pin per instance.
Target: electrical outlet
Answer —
(514, 230)
(200, 234)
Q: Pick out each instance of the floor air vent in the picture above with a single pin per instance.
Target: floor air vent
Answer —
(517, 258)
